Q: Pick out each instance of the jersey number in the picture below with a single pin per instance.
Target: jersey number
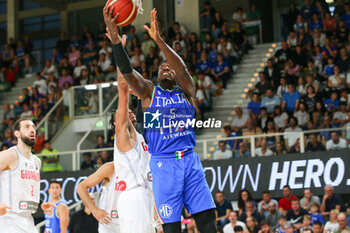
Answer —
(32, 192)
(144, 146)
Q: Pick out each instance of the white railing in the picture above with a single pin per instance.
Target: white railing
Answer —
(205, 144)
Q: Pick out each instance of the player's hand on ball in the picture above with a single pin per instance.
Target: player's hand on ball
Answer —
(101, 216)
(3, 209)
(154, 30)
(47, 207)
(112, 27)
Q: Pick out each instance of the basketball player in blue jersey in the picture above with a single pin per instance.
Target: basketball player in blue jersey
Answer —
(57, 221)
(178, 176)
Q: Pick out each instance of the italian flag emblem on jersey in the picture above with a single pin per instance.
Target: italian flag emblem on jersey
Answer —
(179, 154)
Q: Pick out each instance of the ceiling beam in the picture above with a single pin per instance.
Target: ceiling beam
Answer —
(60, 6)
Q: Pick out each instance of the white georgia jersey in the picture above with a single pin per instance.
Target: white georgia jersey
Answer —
(109, 198)
(20, 187)
(132, 167)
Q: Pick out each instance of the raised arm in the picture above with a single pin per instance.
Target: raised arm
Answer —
(142, 87)
(103, 173)
(124, 129)
(183, 78)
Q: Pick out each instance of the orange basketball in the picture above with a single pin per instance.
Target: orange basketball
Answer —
(127, 10)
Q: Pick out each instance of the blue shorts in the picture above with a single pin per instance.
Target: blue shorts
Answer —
(177, 183)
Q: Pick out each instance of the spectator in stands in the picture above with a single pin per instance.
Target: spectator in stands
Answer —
(302, 115)
(296, 213)
(216, 24)
(280, 118)
(240, 40)
(239, 120)
(206, 16)
(7, 115)
(340, 117)
(285, 203)
(251, 130)
(244, 197)
(146, 44)
(301, 87)
(332, 225)
(317, 227)
(250, 210)
(310, 98)
(83, 220)
(312, 146)
(252, 225)
(263, 119)
(333, 102)
(89, 53)
(40, 84)
(49, 68)
(8, 55)
(9, 139)
(51, 159)
(221, 70)
(272, 73)
(204, 64)
(103, 62)
(292, 135)
(336, 142)
(27, 112)
(206, 84)
(263, 150)
(88, 163)
(273, 140)
(239, 16)
(234, 144)
(330, 201)
(337, 80)
(4, 147)
(265, 227)
(223, 209)
(342, 221)
(222, 152)
(273, 215)
(282, 88)
(254, 106)
(243, 151)
(284, 53)
(315, 214)
(229, 227)
(306, 224)
(264, 204)
(270, 101)
(290, 99)
(308, 199)
(263, 85)
(65, 77)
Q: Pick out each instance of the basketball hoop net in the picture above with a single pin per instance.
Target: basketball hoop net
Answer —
(139, 6)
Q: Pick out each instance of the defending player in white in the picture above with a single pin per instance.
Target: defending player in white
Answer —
(20, 182)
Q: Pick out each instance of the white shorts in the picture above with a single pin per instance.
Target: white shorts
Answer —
(15, 223)
(112, 227)
(135, 211)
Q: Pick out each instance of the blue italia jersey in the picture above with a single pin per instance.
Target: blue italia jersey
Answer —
(169, 123)
(52, 221)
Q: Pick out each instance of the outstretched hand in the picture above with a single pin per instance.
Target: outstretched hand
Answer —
(47, 207)
(4, 208)
(112, 28)
(154, 30)
(123, 39)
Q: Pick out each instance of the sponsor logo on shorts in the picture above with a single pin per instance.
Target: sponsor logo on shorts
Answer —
(159, 164)
(114, 214)
(165, 211)
(48, 230)
(23, 205)
(149, 176)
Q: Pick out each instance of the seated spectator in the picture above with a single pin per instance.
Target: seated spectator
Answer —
(263, 150)
(316, 23)
(270, 101)
(206, 84)
(292, 39)
(202, 102)
(292, 135)
(317, 227)
(329, 23)
(291, 71)
(313, 145)
(301, 88)
(40, 84)
(11, 73)
(315, 214)
(78, 68)
(73, 56)
(282, 88)
(329, 68)
(281, 221)
(280, 118)
(240, 40)
(244, 197)
(4, 147)
(306, 224)
(239, 120)
(264, 204)
(336, 142)
(285, 203)
(333, 102)
(265, 227)
(272, 73)
(234, 144)
(206, 16)
(329, 49)
(302, 115)
(88, 163)
(250, 210)
(106, 157)
(27, 112)
(340, 117)
(263, 118)
(296, 213)
(332, 225)
(252, 225)
(223, 209)
(310, 98)
(243, 151)
(213, 52)
(229, 227)
(103, 62)
(343, 224)
(272, 141)
(254, 106)
(9, 139)
(337, 80)
(89, 53)
(289, 227)
(343, 61)
(204, 64)
(7, 115)
(65, 77)
(50, 162)
(223, 152)
(330, 201)
(273, 215)
(263, 85)
(239, 15)
(221, 70)
(252, 130)
(146, 44)
(290, 99)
